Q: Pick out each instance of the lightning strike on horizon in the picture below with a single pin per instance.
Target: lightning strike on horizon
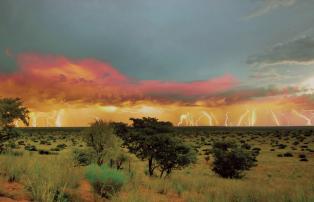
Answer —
(243, 116)
(275, 118)
(215, 120)
(183, 118)
(188, 119)
(34, 120)
(191, 120)
(308, 121)
(253, 118)
(58, 122)
(210, 119)
(226, 119)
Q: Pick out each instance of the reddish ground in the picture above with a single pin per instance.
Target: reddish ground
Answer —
(13, 192)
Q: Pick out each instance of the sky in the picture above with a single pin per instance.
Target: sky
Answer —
(202, 62)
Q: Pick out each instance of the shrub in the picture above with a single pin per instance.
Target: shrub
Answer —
(121, 158)
(282, 146)
(43, 152)
(101, 137)
(30, 148)
(304, 159)
(82, 157)
(246, 146)
(302, 156)
(230, 160)
(105, 181)
(288, 154)
(61, 146)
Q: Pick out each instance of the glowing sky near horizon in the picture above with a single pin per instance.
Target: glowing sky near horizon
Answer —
(204, 62)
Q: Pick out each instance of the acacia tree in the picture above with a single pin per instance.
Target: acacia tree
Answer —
(101, 137)
(152, 140)
(11, 109)
(172, 154)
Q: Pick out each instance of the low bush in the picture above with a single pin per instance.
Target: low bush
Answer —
(288, 154)
(30, 148)
(43, 152)
(82, 157)
(304, 159)
(105, 181)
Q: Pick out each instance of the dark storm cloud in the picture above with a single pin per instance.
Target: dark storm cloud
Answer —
(299, 51)
(166, 39)
(180, 40)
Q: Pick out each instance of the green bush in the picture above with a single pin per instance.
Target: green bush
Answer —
(230, 160)
(105, 181)
(82, 157)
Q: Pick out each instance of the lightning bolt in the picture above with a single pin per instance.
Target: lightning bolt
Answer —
(190, 120)
(34, 120)
(187, 118)
(253, 117)
(308, 121)
(208, 116)
(226, 119)
(58, 122)
(275, 118)
(243, 116)
(216, 121)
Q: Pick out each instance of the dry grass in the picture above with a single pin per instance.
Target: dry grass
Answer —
(273, 180)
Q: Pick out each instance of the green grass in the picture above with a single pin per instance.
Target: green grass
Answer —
(106, 181)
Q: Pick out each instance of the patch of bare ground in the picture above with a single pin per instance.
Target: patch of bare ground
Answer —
(13, 192)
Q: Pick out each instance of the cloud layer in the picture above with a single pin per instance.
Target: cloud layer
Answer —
(268, 5)
(299, 51)
(44, 77)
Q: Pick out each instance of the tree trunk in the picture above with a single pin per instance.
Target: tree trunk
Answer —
(150, 166)
(129, 166)
(111, 163)
(162, 173)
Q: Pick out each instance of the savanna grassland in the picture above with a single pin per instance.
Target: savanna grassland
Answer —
(41, 165)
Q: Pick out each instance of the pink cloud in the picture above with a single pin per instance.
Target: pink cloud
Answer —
(42, 77)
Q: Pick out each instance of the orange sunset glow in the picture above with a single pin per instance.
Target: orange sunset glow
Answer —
(67, 92)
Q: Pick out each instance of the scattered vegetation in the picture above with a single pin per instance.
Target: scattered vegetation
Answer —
(119, 162)
(105, 181)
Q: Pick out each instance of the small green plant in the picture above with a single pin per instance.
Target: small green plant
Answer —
(105, 181)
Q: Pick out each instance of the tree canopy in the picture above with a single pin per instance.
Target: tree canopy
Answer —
(153, 140)
(12, 109)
